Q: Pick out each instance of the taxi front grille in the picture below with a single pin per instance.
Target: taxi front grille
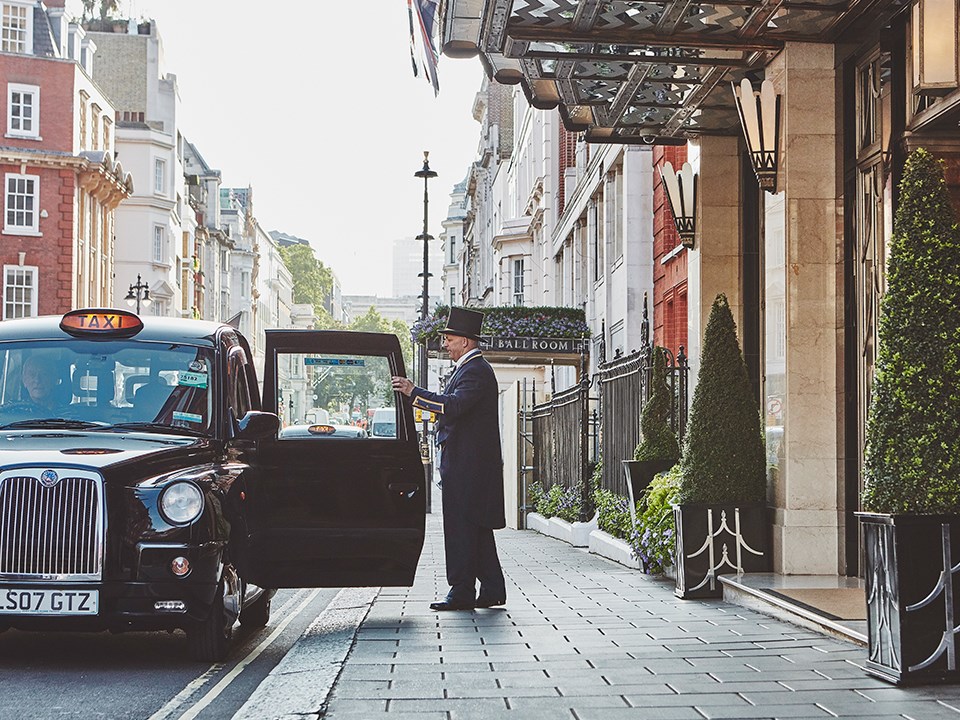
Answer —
(53, 532)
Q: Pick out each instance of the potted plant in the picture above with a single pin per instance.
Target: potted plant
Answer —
(911, 527)
(720, 515)
(654, 533)
(658, 450)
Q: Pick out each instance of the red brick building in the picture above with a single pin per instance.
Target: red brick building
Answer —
(60, 182)
(669, 261)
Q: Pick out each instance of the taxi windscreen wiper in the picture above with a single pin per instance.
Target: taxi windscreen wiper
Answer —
(155, 427)
(56, 423)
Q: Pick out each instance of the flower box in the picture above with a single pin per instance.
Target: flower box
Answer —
(718, 539)
(606, 545)
(912, 604)
(538, 522)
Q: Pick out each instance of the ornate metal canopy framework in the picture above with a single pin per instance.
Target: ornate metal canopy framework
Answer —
(640, 70)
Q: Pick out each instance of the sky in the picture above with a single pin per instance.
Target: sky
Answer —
(315, 105)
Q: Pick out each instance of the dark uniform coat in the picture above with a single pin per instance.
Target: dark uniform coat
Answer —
(468, 432)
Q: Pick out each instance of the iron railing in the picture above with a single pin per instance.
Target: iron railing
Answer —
(573, 430)
(564, 440)
(624, 389)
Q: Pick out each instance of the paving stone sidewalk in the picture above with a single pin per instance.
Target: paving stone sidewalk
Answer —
(582, 637)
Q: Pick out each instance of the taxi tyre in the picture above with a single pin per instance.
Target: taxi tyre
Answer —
(257, 614)
(209, 640)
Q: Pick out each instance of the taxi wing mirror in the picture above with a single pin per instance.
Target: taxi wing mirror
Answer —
(256, 425)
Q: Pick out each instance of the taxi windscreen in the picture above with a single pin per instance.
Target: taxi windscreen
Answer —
(124, 384)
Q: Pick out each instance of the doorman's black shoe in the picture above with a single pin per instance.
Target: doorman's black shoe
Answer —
(448, 604)
(483, 602)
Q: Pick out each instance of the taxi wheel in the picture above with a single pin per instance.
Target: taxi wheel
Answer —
(209, 640)
(257, 614)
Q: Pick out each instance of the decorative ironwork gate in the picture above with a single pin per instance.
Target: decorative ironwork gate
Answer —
(562, 429)
(624, 389)
(571, 431)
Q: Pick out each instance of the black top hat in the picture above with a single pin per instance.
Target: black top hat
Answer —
(463, 322)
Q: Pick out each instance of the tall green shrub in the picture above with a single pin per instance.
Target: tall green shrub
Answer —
(723, 456)
(912, 459)
(658, 439)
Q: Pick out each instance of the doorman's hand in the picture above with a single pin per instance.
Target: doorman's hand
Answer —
(402, 384)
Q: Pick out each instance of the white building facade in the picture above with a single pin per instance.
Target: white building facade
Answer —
(155, 228)
(211, 244)
(451, 245)
(548, 220)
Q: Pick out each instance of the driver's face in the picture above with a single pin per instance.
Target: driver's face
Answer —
(38, 380)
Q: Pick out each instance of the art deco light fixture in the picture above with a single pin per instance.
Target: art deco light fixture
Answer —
(934, 41)
(681, 190)
(139, 294)
(760, 119)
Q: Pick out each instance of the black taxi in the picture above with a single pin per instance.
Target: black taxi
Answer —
(145, 482)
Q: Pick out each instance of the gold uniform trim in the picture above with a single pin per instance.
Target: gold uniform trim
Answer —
(424, 404)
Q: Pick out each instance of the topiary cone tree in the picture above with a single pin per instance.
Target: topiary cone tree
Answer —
(723, 456)
(912, 457)
(658, 439)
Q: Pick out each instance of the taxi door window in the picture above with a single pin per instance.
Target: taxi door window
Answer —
(238, 391)
(335, 396)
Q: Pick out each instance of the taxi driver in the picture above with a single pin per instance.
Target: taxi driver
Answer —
(40, 381)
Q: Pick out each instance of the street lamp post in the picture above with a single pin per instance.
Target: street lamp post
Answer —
(426, 173)
(139, 294)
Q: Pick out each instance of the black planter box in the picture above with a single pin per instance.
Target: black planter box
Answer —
(714, 540)
(913, 596)
(639, 474)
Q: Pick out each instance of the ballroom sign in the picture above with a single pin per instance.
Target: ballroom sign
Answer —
(535, 345)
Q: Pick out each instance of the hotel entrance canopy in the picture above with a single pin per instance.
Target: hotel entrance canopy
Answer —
(640, 72)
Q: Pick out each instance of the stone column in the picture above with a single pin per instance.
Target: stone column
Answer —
(807, 485)
(714, 265)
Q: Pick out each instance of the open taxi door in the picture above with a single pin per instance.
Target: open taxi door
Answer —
(331, 505)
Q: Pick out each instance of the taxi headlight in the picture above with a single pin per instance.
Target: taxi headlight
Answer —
(181, 503)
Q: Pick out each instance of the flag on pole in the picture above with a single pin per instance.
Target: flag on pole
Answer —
(423, 22)
(413, 41)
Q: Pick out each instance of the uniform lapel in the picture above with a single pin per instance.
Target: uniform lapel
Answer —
(450, 383)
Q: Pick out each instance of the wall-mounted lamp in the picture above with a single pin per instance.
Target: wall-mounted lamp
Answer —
(934, 41)
(760, 119)
(682, 193)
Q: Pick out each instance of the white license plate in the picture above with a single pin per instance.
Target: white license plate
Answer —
(49, 602)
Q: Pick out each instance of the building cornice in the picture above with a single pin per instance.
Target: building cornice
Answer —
(96, 171)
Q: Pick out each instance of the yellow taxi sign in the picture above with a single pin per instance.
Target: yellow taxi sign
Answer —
(103, 322)
(321, 429)
(420, 415)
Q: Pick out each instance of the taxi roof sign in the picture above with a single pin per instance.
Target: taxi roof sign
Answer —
(101, 322)
(321, 429)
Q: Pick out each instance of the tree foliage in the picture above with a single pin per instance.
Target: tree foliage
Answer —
(102, 10)
(913, 428)
(373, 321)
(364, 390)
(658, 441)
(723, 456)
(312, 281)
